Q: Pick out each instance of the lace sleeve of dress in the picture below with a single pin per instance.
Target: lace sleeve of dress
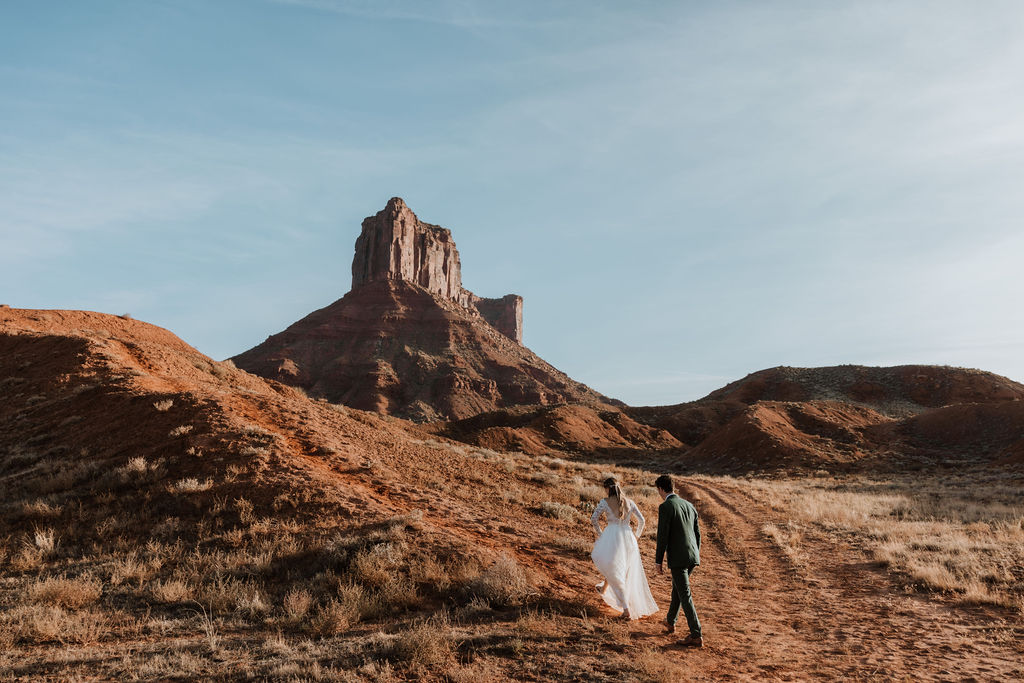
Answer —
(641, 522)
(597, 515)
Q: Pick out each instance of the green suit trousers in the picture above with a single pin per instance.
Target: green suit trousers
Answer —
(681, 596)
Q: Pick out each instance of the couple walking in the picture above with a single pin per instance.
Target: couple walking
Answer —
(617, 555)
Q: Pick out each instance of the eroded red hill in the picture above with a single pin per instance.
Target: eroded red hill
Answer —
(849, 417)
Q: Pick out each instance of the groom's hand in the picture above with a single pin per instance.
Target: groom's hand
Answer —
(661, 569)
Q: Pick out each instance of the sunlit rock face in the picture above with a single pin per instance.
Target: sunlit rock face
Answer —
(396, 245)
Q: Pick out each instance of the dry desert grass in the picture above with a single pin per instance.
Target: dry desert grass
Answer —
(244, 589)
(958, 532)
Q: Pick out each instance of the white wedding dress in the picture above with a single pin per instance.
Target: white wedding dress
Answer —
(617, 556)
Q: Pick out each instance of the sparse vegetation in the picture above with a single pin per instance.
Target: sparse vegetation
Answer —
(953, 533)
(559, 511)
(69, 593)
(164, 406)
(191, 485)
(504, 583)
(427, 646)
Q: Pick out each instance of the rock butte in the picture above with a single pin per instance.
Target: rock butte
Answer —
(409, 339)
(396, 245)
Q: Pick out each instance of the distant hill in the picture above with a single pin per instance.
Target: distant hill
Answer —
(849, 417)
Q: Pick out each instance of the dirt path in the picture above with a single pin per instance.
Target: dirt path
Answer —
(832, 615)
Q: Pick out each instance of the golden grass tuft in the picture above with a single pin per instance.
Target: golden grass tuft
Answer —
(70, 593)
(172, 591)
(334, 617)
(426, 646)
(503, 584)
(296, 603)
(36, 624)
(191, 485)
(560, 511)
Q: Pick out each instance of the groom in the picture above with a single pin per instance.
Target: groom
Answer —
(679, 534)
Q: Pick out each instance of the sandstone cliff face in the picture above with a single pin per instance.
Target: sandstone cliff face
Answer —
(396, 245)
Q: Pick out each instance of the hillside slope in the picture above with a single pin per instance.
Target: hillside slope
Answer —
(393, 348)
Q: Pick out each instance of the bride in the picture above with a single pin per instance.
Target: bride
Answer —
(617, 555)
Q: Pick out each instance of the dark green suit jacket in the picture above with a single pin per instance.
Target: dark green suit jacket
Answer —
(678, 533)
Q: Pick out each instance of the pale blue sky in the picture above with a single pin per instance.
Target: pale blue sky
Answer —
(683, 192)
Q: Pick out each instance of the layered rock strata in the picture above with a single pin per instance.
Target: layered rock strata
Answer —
(396, 245)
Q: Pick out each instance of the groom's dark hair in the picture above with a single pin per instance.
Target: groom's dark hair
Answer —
(664, 482)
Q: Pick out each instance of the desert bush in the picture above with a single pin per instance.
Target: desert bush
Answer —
(27, 559)
(171, 591)
(559, 511)
(546, 478)
(181, 430)
(132, 470)
(375, 566)
(245, 511)
(256, 430)
(427, 645)
(191, 485)
(359, 601)
(221, 369)
(45, 540)
(590, 494)
(296, 603)
(130, 568)
(47, 623)
(40, 509)
(224, 593)
(164, 406)
(431, 571)
(398, 592)
(70, 593)
(503, 584)
(334, 618)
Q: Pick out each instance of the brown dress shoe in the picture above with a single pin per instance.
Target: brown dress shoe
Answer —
(692, 641)
(669, 628)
